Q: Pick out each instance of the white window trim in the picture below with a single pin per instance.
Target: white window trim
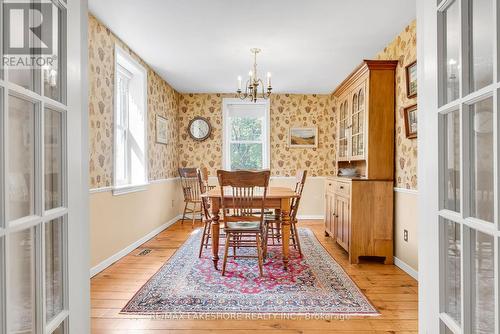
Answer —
(130, 188)
(267, 130)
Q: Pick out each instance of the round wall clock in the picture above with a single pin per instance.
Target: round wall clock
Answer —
(199, 128)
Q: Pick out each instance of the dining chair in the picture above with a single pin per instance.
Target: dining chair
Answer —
(273, 222)
(204, 177)
(243, 227)
(206, 216)
(191, 191)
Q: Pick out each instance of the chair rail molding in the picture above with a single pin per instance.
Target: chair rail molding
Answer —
(406, 191)
(150, 182)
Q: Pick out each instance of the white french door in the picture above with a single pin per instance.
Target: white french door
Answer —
(458, 58)
(43, 227)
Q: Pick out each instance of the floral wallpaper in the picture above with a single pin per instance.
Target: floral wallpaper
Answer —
(162, 100)
(291, 110)
(287, 110)
(404, 49)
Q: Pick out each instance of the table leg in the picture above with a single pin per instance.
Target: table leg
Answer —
(285, 230)
(215, 232)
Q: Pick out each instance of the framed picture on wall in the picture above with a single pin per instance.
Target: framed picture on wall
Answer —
(410, 115)
(161, 130)
(411, 80)
(303, 137)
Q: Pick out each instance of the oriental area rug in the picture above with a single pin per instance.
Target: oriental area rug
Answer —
(313, 284)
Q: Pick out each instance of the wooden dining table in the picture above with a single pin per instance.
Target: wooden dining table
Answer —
(277, 198)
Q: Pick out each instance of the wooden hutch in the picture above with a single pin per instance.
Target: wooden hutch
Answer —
(359, 210)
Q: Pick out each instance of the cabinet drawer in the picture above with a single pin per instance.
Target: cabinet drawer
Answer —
(330, 186)
(342, 188)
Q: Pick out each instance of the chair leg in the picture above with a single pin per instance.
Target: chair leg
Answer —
(297, 239)
(278, 231)
(209, 230)
(292, 235)
(203, 240)
(236, 240)
(184, 213)
(259, 253)
(226, 250)
(194, 214)
(265, 240)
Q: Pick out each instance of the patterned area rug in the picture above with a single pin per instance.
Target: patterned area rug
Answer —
(315, 284)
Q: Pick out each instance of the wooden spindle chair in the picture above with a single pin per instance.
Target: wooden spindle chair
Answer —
(273, 222)
(204, 177)
(206, 216)
(191, 191)
(243, 228)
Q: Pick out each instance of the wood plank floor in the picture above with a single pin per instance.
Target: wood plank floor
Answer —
(393, 293)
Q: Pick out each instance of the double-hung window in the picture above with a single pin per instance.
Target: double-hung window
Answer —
(246, 135)
(130, 146)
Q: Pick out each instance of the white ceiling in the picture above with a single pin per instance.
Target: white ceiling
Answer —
(201, 46)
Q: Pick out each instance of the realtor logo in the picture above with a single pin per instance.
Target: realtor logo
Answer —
(27, 28)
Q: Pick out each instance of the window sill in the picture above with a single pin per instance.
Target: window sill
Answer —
(129, 188)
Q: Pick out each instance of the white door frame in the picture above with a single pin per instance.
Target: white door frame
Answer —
(431, 272)
(78, 171)
(428, 228)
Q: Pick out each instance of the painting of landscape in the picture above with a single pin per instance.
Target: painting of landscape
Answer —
(303, 137)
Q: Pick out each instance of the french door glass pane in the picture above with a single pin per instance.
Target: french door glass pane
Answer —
(60, 329)
(451, 81)
(53, 149)
(246, 128)
(246, 156)
(483, 291)
(54, 268)
(51, 72)
(482, 43)
(451, 186)
(22, 77)
(445, 329)
(21, 289)
(453, 249)
(481, 160)
(21, 177)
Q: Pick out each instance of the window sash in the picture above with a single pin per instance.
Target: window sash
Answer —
(240, 112)
(121, 126)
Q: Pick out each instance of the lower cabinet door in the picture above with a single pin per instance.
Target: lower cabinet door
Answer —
(330, 215)
(342, 215)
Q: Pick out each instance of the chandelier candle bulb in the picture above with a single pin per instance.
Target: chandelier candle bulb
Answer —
(239, 82)
(268, 79)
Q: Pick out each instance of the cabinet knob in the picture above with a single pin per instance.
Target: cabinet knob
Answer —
(341, 187)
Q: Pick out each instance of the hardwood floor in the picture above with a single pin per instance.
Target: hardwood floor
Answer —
(392, 292)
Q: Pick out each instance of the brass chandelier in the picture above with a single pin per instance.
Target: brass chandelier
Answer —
(253, 83)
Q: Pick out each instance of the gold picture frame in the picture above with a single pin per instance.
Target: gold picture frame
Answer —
(161, 130)
(303, 137)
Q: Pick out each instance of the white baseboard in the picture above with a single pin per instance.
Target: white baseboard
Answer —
(406, 268)
(115, 257)
(311, 217)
